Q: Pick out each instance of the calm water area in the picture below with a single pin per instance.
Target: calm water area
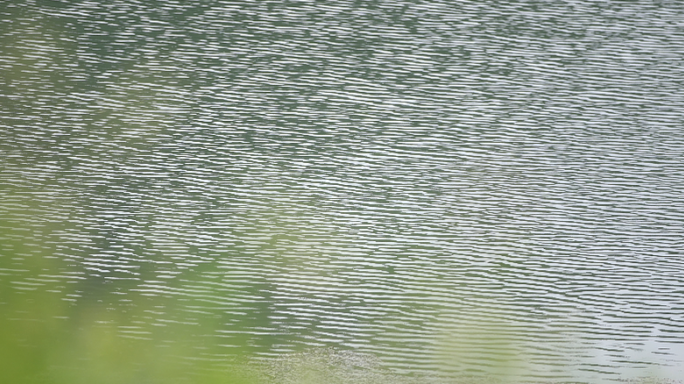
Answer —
(444, 188)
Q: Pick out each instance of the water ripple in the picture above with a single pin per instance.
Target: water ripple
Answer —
(392, 178)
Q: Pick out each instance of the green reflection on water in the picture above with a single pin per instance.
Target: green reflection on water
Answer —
(45, 338)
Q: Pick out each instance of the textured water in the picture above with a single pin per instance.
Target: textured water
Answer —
(441, 185)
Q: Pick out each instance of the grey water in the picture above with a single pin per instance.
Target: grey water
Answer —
(445, 186)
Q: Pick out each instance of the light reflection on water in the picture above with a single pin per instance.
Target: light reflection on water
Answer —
(449, 188)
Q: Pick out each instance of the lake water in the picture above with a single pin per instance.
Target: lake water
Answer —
(449, 188)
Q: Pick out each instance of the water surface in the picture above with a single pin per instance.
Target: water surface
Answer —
(452, 188)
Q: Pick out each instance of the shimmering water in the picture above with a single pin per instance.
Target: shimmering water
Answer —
(453, 188)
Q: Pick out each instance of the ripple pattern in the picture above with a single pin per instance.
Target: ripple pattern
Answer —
(388, 177)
